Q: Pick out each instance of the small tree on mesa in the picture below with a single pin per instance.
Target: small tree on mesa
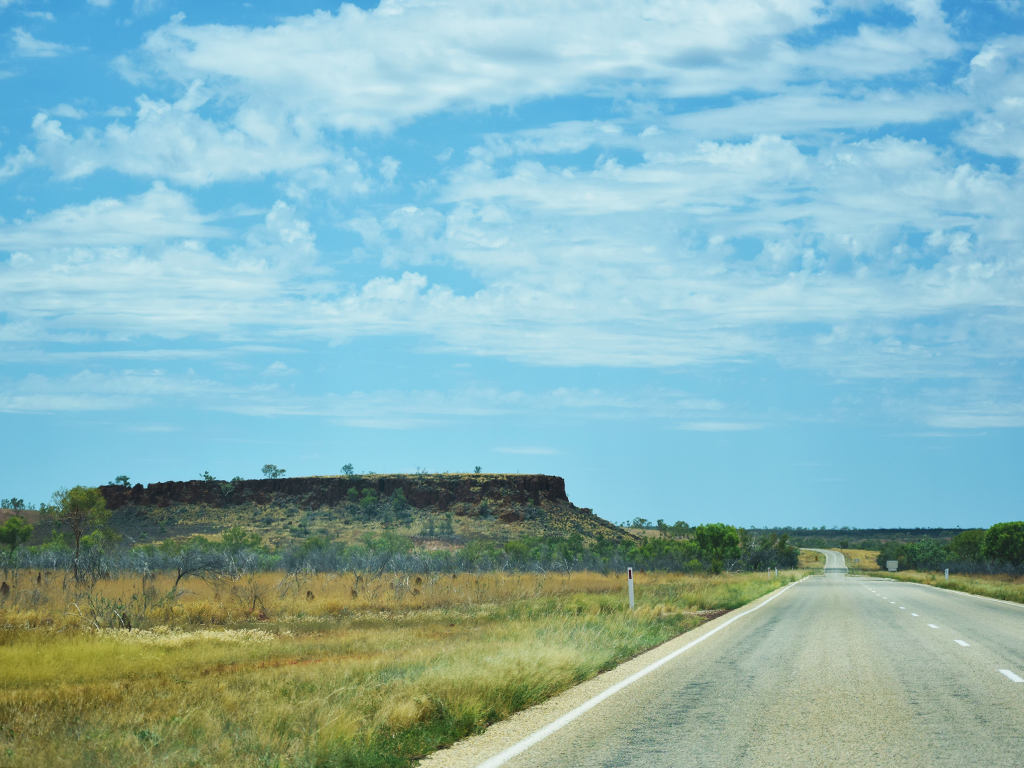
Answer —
(270, 471)
(80, 509)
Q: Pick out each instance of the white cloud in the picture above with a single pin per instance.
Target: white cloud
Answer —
(997, 77)
(66, 110)
(389, 167)
(279, 368)
(16, 163)
(145, 7)
(158, 214)
(127, 283)
(91, 389)
(368, 70)
(785, 216)
(28, 46)
(101, 3)
(173, 141)
(43, 15)
(259, 100)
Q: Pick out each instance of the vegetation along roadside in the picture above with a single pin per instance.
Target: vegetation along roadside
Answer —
(331, 670)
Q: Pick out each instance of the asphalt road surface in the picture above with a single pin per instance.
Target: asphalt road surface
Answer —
(835, 562)
(835, 671)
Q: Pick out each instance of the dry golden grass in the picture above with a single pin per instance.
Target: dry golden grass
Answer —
(868, 561)
(334, 680)
(55, 601)
(809, 559)
(1000, 587)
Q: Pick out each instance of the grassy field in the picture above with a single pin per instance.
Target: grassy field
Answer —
(278, 670)
(868, 561)
(1000, 587)
(809, 559)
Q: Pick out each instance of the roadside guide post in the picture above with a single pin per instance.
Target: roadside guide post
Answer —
(629, 578)
(947, 574)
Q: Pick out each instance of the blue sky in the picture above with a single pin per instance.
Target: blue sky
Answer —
(758, 262)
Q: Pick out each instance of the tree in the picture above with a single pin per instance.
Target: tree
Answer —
(476, 469)
(123, 481)
(78, 508)
(208, 477)
(1004, 542)
(348, 470)
(236, 538)
(967, 545)
(718, 541)
(190, 559)
(15, 532)
(270, 471)
(679, 529)
(15, 504)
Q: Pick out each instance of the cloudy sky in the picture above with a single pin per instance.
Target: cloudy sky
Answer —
(751, 261)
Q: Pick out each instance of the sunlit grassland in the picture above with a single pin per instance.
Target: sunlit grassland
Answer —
(373, 679)
(810, 559)
(868, 559)
(998, 586)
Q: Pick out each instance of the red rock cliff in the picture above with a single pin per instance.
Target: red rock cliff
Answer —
(421, 491)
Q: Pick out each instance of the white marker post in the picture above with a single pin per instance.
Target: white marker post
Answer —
(947, 574)
(629, 578)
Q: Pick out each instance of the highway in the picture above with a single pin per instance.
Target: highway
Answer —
(834, 671)
(835, 562)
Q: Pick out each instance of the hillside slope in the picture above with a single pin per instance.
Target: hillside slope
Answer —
(437, 510)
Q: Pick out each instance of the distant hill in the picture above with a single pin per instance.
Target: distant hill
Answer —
(436, 510)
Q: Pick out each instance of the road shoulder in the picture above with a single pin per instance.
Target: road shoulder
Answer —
(472, 751)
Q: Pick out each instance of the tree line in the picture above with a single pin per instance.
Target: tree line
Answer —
(85, 547)
(999, 549)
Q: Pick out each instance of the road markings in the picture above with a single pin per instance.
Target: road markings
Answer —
(891, 603)
(902, 608)
(961, 642)
(913, 614)
(1009, 674)
(934, 626)
(503, 757)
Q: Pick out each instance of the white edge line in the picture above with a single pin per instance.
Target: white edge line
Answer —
(503, 757)
(934, 626)
(1012, 676)
(955, 592)
(961, 642)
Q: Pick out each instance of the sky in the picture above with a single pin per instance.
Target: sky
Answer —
(750, 261)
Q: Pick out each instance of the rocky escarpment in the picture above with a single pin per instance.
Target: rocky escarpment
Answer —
(440, 492)
(448, 507)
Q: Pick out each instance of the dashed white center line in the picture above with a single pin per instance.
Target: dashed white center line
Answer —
(1012, 676)
(902, 608)
(961, 642)
(934, 626)
(891, 603)
(913, 614)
